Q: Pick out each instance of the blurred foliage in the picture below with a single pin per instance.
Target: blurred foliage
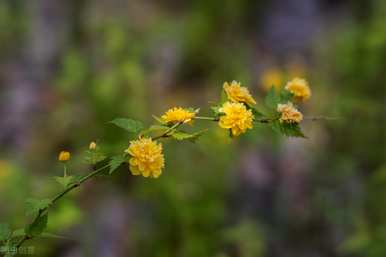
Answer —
(356, 152)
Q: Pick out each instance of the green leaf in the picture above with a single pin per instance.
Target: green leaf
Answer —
(158, 119)
(256, 113)
(288, 129)
(18, 233)
(271, 99)
(153, 128)
(190, 109)
(37, 227)
(132, 126)
(4, 232)
(115, 162)
(181, 135)
(285, 96)
(274, 97)
(33, 206)
(215, 109)
(65, 181)
(94, 156)
(223, 96)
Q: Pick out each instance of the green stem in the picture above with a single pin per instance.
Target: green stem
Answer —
(206, 118)
(316, 118)
(265, 120)
(59, 196)
(165, 134)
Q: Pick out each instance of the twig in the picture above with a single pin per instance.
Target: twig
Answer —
(59, 196)
(315, 118)
(206, 118)
(165, 134)
(266, 120)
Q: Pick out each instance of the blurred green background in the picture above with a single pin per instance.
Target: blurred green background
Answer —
(69, 67)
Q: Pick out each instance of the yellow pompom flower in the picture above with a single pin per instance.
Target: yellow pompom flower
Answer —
(178, 114)
(146, 157)
(64, 156)
(237, 93)
(236, 118)
(299, 88)
(289, 113)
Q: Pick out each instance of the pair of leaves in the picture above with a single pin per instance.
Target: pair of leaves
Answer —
(176, 134)
(37, 227)
(130, 125)
(65, 181)
(158, 128)
(34, 206)
(288, 129)
(181, 135)
(215, 109)
(115, 162)
(37, 207)
(94, 156)
(274, 97)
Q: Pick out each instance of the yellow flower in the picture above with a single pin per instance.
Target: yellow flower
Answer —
(178, 114)
(92, 146)
(271, 77)
(289, 113)
(299, 88)
(236, 118)
(237, 93)
(146, 157)
(64, 156)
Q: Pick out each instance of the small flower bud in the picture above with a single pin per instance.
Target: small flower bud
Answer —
(92, 146)
(64, 156)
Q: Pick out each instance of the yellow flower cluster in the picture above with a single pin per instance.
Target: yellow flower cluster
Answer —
(236, 118)
(237, 93)
(289, 113)
(178, 114)
(299, 88)
(146, 157)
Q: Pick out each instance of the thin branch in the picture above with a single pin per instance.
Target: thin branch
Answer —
(59, 196)
(165, 134)
(265, 120)
(206, 118)
(316, 118)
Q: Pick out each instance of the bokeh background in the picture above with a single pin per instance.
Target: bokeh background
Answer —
(69, 67)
